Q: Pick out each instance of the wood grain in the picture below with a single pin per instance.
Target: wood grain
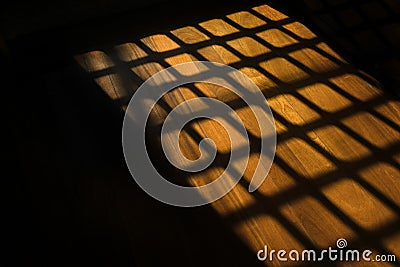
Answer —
(335, 175)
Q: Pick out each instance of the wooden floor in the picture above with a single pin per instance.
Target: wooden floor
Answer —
(336, 173)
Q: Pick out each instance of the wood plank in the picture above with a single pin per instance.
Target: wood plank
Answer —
(331, 178)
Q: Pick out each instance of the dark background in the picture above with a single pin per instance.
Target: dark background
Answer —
(68, 195)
